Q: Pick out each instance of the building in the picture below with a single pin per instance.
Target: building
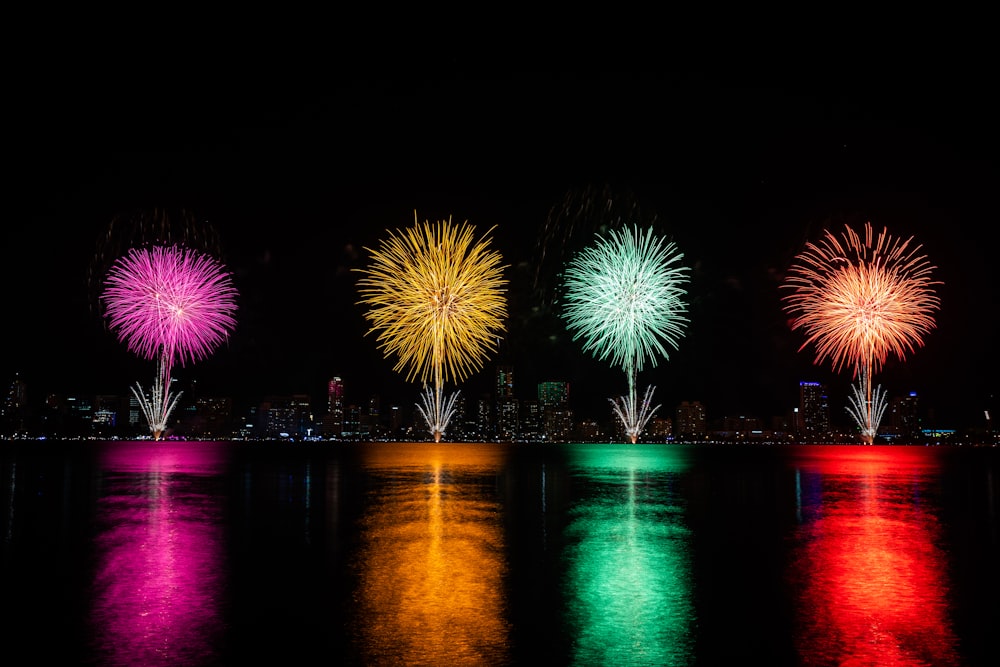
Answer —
(352, 423)
(742, 428)
(813, 416)
(690, 421)
(557, 418)
(397, 423)
(212, 418)
(904, 420)
(80, 411)
(588, 430)
(505, 382)
(507, 426)
(332, 423)
(105, 416)
(484, 418)
(281, 417)
(532, 422)
(370, 421)
(660, 428)
(14, 408)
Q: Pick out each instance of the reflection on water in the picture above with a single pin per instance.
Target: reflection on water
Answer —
(158, 573)
(431, 567)
(385, 553)
(870, 578)
(628, 575)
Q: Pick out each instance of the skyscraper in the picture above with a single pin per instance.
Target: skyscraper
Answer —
(505, 382)
(333, 421)
(507, 407)
(508, 427)
(690, 421)
(813, 423)
(13, 408)
(557, 418)
(553, 393)
(284, 416)
(484, 418)
(904, 419)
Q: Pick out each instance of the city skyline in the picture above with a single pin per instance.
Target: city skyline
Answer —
(513, 412)
(299, 186)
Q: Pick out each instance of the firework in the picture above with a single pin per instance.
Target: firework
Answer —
(171, 304)
(860, 300)
(436, 299)
(624, 298)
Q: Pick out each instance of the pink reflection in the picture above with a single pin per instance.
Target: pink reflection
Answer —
(159, 552)
(873, 589)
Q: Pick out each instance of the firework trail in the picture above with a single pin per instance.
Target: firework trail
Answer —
(171, 304)
(436, 299)
(624, 298)
(145, 228)
(571, 224)
(860, 300)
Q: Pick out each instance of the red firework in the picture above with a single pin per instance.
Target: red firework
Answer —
(858, 300)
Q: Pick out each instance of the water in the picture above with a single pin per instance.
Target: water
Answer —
(125, 553)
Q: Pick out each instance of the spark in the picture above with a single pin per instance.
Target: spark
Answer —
(159, 404)
(867, 413)
(634, 417)
(436, 409)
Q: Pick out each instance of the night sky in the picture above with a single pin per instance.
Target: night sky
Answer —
(738, 166)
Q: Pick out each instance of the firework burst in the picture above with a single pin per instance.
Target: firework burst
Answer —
(860, 300)
(624, 298)
(170, 304)
(436, 298)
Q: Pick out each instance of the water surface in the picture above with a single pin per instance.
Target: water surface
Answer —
(185, 553)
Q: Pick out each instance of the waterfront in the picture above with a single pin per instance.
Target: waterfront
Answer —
(188, 553)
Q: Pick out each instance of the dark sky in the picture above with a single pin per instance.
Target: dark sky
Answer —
(740, 166)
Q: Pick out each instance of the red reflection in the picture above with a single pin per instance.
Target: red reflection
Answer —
(872, 582)
(159, 555)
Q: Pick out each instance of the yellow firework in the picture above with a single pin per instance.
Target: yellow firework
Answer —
(437, 299)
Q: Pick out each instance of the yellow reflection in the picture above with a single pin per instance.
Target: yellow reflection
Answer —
(430, 573)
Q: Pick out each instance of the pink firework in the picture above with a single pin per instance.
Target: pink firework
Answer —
(170, 302)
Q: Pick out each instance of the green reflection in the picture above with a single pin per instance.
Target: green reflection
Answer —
(628, 581)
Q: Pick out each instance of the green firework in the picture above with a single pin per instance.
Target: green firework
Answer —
(624, 298)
